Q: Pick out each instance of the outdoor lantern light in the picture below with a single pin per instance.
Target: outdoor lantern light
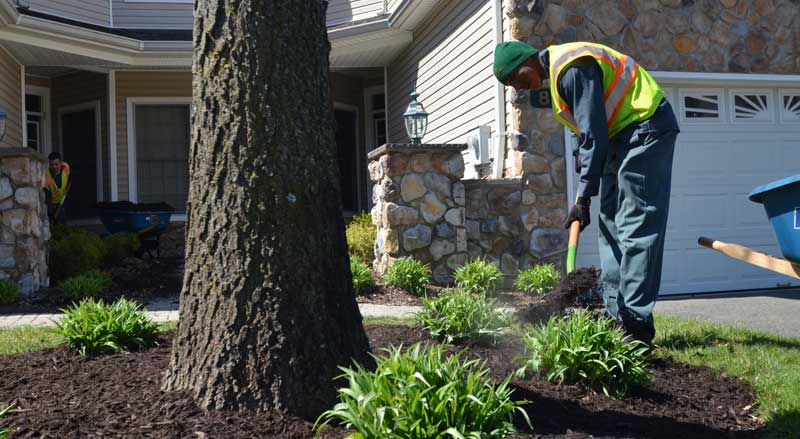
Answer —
(416, 119)
(3, 117)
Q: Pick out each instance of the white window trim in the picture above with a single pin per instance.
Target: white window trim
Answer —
(93, 105)
(131, 103)
(369, 119)
(47, 120)
(359, 159)
(771, 107)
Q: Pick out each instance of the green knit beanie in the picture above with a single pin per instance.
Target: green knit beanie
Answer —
(508, 56)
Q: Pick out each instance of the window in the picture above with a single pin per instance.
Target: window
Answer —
(34, 117)
(752, 106)
(790, 106)
(379, 119)
(704, 106)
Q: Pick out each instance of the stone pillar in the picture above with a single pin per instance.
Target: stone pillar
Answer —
(24, 229)
(419, 206)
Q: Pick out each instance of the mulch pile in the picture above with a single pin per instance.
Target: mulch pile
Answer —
(128, 206)
(578, 289)
(61, 395)
(384, 294)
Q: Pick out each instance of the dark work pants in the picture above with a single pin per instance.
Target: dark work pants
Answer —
(634, 204)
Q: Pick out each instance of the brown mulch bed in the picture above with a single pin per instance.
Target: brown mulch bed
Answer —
(384, 294)
(61, 395)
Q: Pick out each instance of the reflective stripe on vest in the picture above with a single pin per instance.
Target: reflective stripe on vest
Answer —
(620, 72)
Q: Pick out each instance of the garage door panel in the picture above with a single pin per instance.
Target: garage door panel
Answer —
(709, 210)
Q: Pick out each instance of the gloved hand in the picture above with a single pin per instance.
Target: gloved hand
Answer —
(579, 212)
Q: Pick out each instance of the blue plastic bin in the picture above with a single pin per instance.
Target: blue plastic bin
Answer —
(118, 221)
(781, 200)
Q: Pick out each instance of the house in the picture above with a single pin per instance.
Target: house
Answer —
(108, 83)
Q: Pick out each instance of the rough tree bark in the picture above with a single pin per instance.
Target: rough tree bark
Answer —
(267, 308)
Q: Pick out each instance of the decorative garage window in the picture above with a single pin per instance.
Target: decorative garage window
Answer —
(701, 106)
(751, 106)
(790, 106)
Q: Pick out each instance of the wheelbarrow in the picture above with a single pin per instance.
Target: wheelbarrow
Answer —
(781, 200)
(147, 221)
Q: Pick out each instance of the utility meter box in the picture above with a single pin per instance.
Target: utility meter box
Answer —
(478, 144)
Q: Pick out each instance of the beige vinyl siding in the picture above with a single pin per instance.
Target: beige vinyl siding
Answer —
(11, 99)
(87, 11)
(393, 4)
(450, 65)
(142, 84)
(137, 15)
(346, 11)
(75, 89)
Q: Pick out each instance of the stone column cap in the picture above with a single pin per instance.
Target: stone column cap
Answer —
(22, 152)
(411, 148)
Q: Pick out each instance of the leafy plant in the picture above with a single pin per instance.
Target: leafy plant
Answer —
(539, 279)
(362, 275)
(75, 253)
(409, 274)
(479, 276)
(582, 348)
(61, 231)
(93, 328)
(9, 291)
(120, 246)
(88, 284)
(422, 393)
(361, 237)
(455, 316)
(4, 432)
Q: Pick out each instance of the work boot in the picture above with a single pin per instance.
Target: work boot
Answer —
(636, 328)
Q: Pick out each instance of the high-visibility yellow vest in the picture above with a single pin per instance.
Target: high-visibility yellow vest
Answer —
(630, 93)
(55, 191)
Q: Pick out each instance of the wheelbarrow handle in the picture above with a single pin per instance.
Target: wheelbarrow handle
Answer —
(750, 256)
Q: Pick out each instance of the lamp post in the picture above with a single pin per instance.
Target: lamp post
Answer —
(416, 119)
(3, 117)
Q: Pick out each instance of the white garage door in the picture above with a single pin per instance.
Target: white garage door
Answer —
(732, 140)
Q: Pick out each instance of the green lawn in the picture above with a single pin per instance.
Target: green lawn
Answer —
(771, 364)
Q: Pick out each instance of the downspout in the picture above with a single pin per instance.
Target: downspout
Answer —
(500, 100)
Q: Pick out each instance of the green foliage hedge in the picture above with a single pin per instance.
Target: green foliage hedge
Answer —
(88, 284)
(361, 237)
(75, 251)
(9, 291)
(120, 246)
(423, 393)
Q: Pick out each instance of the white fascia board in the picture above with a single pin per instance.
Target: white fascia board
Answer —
(727, 79)
(8, 13)
(358, 29)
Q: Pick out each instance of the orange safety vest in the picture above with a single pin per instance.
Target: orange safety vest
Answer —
(50, 184)
(630, 93)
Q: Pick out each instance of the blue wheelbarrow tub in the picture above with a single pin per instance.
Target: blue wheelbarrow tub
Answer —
(781, 200)
(119, 221)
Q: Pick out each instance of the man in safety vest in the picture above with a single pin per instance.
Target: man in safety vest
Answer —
(626, 131)
(56, 182)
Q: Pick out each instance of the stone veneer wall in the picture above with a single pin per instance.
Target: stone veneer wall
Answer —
(423, 209)
(744, 36)
(25, 229)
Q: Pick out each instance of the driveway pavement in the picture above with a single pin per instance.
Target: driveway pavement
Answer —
(777, 312)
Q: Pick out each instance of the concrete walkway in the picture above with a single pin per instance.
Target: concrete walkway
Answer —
(168, 312)
(777, 312)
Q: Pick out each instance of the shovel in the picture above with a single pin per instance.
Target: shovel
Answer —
(572, 246)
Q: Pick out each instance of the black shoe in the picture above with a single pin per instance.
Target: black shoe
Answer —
(638, 330)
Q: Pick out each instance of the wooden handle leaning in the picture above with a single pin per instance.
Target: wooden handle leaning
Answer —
(753, 257)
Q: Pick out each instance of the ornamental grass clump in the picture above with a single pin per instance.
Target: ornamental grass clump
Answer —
(88, 284)
(409, 274)
(423, 393)
(456, 316)
(479, 277)
(539, 279)
(361, 237)
(76, 251)
(362, 275)
(580, 348)
(9, 291)
(94, 328)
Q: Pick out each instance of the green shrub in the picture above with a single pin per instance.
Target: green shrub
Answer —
(423, 393)
(362, 275)
(539, 279)
(74, 254)
(479, 276)
(409, 274)
(88, 284)
(361, 237)
(455, 316)
(9, 291)
(93, 328)
(3, 431)
(120, 246)
(582, 348)
(61, 231)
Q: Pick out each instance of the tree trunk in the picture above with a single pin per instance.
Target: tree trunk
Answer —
(267, 309)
